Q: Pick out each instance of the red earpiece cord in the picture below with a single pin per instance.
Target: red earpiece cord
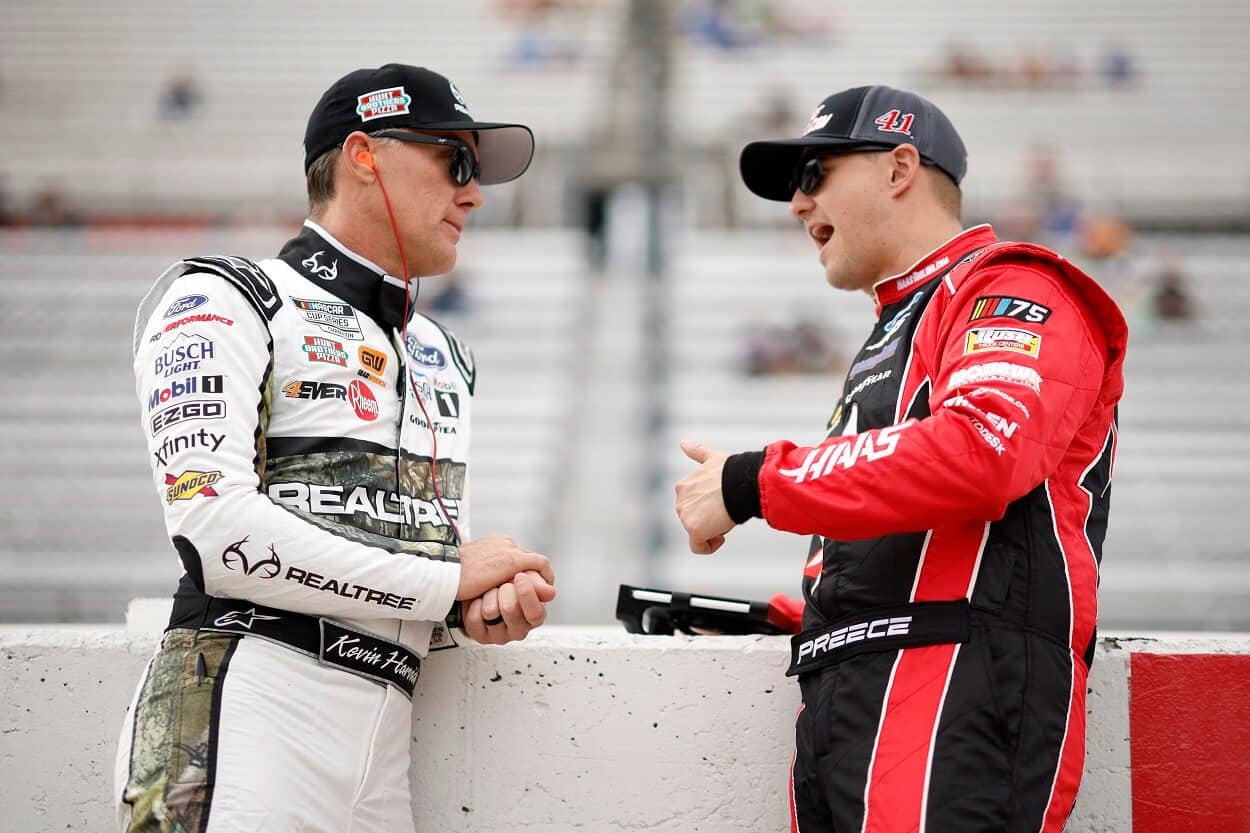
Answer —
(403, 338)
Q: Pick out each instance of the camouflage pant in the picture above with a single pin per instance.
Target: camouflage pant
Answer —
(169, 771)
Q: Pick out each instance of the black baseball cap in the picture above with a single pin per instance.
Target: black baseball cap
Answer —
(398, 95)
(858, 119)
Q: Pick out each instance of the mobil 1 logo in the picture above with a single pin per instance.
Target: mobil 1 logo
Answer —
(184, 387)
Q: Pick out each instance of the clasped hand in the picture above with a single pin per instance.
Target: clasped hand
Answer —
(504, 589)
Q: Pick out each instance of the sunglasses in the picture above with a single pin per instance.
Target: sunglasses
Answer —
(810, 172)
(808, 176)
(464, 165)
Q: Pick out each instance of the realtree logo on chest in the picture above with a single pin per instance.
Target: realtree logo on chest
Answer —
(362, 401)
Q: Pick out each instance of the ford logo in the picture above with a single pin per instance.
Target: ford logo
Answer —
(185, 303)
(425, 356)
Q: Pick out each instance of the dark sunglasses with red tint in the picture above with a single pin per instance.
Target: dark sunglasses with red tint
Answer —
(464, 166)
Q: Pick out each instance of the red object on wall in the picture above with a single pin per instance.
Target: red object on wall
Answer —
(1189, 723)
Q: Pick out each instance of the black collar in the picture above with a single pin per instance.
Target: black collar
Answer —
(326, 262)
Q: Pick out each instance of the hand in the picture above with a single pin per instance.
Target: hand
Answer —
(520, 603)
(700, 504)
(495, 559)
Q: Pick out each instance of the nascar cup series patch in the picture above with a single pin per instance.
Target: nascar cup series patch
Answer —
(1013, 341)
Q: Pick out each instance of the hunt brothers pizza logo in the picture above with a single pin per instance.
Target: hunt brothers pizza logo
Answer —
(325, 350)
(392, 101)
(189, 484)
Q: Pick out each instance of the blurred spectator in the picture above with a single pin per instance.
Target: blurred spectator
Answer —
(1104, 237)
(546, 35)
(1118, 67)
(777, 113)
(6, 203)
(961, 64)
(1056, 211)
(450, 297)
(1172, 301)
(180, 99)
(50, 208)
(717, 23)
(802, 347)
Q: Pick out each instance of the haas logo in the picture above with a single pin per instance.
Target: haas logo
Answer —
(895, 122)
(326, 273)
(234, 558)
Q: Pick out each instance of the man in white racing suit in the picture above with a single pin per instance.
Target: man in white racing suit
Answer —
(309, 437)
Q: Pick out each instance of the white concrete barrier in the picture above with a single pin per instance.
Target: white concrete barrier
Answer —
(575, 729)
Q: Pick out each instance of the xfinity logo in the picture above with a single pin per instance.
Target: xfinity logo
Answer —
(858, 632)
(174, 446)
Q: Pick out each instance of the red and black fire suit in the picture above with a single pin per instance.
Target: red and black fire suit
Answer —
(959, 505)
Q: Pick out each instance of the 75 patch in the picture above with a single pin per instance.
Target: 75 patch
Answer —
(1001, 306)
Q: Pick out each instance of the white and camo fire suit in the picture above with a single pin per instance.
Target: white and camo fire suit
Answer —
(311, 455)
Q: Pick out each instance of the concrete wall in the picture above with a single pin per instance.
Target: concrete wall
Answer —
(595, 730)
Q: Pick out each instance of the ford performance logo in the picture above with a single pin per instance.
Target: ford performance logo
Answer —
(425, 356)
(185, 303)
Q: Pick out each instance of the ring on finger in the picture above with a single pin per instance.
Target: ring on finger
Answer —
(490, 623)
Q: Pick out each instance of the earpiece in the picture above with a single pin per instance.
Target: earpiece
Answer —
(364, 157)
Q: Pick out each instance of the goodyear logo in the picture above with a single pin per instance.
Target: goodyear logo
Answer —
(189, 484)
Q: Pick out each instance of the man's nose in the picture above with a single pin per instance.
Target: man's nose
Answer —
(801, 205)
(470, 196)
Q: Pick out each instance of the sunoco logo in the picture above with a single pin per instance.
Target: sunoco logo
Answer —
(189, 484)
(362, 401)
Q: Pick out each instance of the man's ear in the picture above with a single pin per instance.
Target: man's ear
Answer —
(357, 156)
(904, 168)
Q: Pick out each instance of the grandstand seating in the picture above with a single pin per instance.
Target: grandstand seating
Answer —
(82, 529)
(81, 82)
(83, 533)
(1177, 550)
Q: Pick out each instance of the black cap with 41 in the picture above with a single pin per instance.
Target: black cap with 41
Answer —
(398, 95)
(858, 119)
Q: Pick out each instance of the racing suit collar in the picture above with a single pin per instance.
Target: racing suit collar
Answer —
(935, 263)
(317, 256)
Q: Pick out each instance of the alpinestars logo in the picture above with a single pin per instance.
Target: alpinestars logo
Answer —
(895, 122)
(233, 558)
(243, 618)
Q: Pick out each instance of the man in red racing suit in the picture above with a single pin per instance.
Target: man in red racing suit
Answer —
(958, 503)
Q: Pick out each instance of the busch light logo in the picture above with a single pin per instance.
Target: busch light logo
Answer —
(185, 303)
(430, 357)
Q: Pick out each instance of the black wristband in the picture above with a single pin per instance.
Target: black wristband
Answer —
(740, 485)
